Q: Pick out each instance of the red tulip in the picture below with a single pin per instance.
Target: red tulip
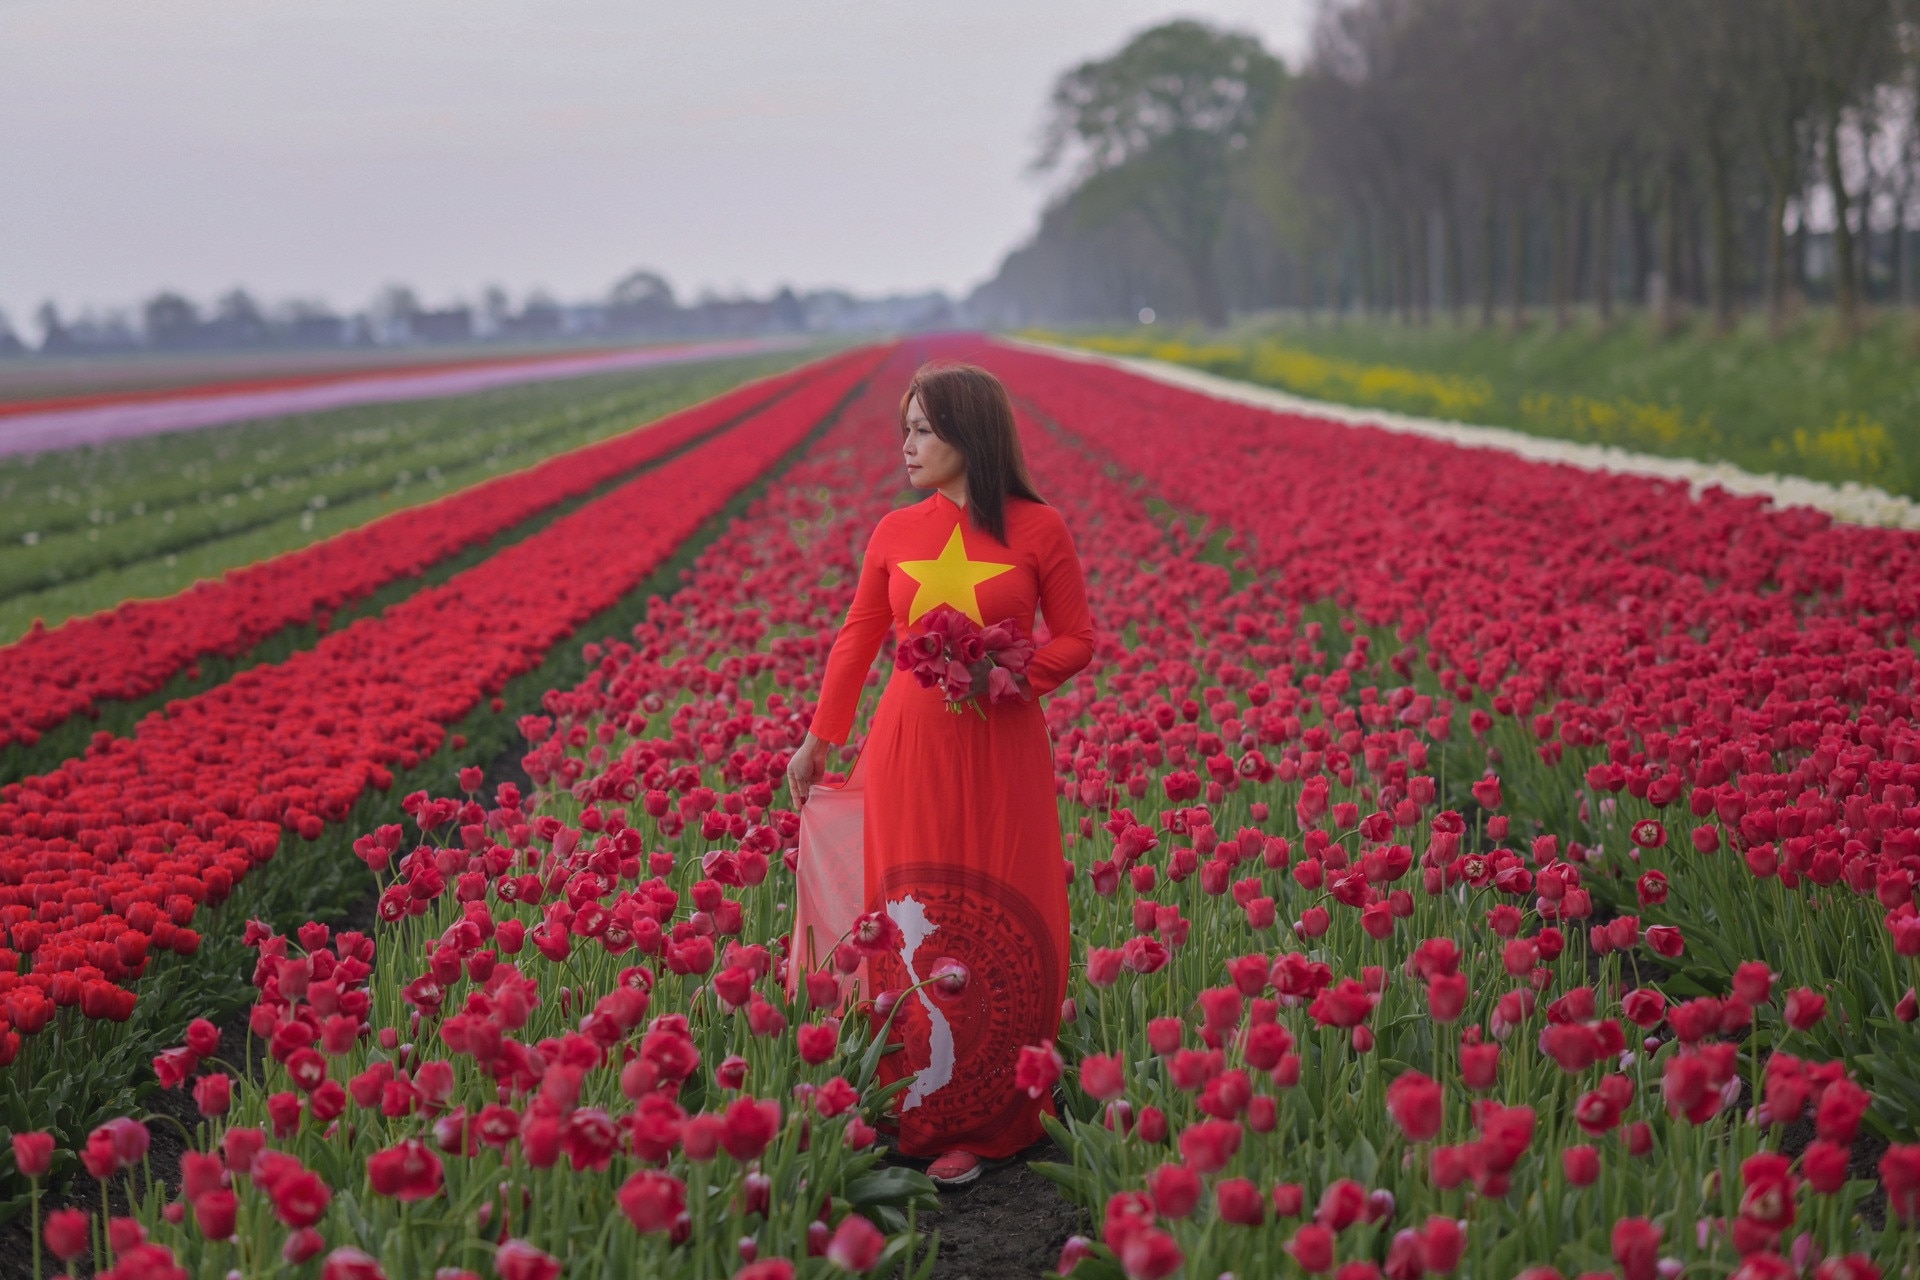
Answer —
(653, 1201)
(213, 1094)
(817, 1042)
(67, 1233)
(751, 1125)
(214, 1212)
(1636, 1247)
(1103, 965)
(33, 1153)
(407, 1171)
(1804, 1009)
(301, 1246)
(518, 1260)
(348, 1263)
(1443, 1241)
(200, 1171)
(203, 1038)
(1414, 1102)
(1037, 1069)
(1665, 941)
(241, 1147)
(1480, 1065)
(1312, 1248)
(283, 1110)
(1581, 1165)
(300, 1199)
(1208, 1145)
(1406, 1259)
(1151, 1254)
(1824, 1164)
(1144, 955)
(1102, 1077)
(1076, 1250)
(856, 1245)
(1345, 1004)
(1342, 1204)
(1645, 1007)
(1239, 1202)
(1753, 982)
(1175, 1190)
(1841, 1107)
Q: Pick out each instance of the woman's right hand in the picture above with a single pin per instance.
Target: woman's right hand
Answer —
(805, 769)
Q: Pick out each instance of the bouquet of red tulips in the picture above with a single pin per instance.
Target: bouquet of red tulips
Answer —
(966, 659)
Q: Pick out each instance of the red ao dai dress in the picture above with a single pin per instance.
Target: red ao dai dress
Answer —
(961, 827)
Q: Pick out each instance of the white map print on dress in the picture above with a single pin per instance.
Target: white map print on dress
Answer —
(915, 928)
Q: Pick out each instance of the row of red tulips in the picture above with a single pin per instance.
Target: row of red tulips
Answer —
(132, 651)
(1283, 1043)
(560, 1043)
(1228, 1084)
(1743, 675)
(107, 859)
(1351, 996)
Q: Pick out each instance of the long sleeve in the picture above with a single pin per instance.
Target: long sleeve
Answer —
(855, 647)
(1063, 603)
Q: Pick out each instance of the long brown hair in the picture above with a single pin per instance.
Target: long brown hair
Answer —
(969, 409)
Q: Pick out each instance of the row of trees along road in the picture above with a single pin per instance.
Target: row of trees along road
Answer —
(1484, 156)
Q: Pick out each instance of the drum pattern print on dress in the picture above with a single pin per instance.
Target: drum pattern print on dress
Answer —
(949, 911)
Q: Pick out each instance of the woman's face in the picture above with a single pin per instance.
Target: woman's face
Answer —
(932, 463)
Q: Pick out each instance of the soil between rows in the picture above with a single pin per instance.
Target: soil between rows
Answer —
(1009, 1222)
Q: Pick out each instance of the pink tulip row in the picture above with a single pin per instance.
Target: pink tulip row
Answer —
(133, 650)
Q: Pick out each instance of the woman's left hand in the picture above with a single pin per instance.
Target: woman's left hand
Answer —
(806, 768)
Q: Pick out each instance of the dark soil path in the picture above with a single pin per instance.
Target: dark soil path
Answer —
(1010, 1223)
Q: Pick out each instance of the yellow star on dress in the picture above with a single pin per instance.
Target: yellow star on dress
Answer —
(949, 580)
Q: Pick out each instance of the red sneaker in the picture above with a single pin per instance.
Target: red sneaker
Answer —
(956, 1168)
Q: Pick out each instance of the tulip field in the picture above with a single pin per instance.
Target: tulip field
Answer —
(1478, 868)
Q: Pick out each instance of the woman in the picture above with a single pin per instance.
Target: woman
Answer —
(961, 832)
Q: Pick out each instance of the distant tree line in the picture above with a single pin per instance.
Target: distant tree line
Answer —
(641, 305)
(1487, 158)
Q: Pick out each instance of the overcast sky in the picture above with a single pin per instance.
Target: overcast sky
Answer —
(321, 150)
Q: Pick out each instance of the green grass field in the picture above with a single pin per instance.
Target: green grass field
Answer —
(1803, 403)
(83, 529)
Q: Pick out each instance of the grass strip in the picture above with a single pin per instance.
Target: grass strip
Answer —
(1799, 402)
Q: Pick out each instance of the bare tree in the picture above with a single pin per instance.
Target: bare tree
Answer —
(1849, 49)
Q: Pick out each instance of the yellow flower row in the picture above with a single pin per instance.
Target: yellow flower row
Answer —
(1852, 447)
(1629, 424)
(1304, 373)
(1855, 446)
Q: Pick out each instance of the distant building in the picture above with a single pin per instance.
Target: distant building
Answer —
(455, 324)
(641, 306)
